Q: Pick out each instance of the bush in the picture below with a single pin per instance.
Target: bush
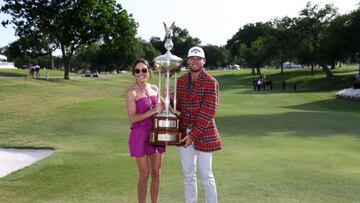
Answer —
(356, 84)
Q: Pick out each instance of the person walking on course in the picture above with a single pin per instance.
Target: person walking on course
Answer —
(198, 100)
(37, 71)
(141, 103)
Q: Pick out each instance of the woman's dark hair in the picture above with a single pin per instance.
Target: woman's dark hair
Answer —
(143, 61)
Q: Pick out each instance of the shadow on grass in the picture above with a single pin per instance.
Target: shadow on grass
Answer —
(10, 74)
(302, 124)
(53, 80)
(60, 80)
(335, 105)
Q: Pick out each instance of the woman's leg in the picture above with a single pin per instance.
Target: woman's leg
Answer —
(143, 166)
(155, 162)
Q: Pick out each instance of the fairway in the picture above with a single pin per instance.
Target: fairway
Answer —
(279, 146)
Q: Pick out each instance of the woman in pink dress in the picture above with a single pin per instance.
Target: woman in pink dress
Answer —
(141, 101)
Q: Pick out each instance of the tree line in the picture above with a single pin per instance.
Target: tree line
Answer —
(319, 36)
(101, 35)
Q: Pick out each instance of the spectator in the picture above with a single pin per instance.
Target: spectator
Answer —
(31, 71)
(37, 71)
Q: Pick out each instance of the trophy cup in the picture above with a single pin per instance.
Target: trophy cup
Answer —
(165, 130)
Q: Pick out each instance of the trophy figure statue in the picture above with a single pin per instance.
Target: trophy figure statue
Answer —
(165, 129)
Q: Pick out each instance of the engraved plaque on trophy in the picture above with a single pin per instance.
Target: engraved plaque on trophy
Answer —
(165, 129)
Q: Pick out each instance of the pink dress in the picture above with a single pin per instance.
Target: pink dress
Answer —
(140, 131)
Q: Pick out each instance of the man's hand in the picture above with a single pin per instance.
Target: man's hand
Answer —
(188, 141)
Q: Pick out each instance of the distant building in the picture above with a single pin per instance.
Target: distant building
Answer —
(5, 64)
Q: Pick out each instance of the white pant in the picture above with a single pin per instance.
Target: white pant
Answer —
(189, 156)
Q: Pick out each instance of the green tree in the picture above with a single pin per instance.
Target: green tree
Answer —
(70, 24)
(15, 53)
(252, 43)
(146, 50)
(216, 56)
(183, 41)
(89, 57)
(285, 39)
(246, 35)
(119, 41)
(32, 46)
(353, 34)
(335, 43)
(158, 44)
(313, 22)
(257, 54)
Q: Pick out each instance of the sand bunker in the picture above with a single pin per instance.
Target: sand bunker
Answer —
(14, 159)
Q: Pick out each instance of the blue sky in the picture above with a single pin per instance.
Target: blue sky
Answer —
(212, 21)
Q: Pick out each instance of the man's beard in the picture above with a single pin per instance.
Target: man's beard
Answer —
(195, 71)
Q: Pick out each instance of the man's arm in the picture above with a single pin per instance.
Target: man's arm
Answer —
(207, 111)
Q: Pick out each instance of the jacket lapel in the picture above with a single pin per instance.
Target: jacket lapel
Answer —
(197, 84)
(186, 84)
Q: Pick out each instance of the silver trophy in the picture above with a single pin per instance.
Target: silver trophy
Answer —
(165, 129)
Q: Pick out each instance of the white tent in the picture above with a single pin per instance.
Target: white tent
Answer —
(2, 57)
(5, 64)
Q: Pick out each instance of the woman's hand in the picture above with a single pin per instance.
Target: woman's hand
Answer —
(157, 108)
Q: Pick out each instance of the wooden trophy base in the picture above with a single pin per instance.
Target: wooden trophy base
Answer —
(163, 137)
(165, 131)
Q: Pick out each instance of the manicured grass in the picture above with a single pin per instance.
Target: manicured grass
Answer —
(280, 146)
(25, 73)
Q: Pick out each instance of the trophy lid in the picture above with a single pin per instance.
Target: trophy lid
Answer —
(168, 62)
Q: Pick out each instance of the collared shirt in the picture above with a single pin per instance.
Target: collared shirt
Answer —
(190, 84)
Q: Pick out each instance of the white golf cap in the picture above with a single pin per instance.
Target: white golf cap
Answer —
(196, 51)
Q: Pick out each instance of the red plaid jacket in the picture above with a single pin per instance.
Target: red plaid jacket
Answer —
(197, 111)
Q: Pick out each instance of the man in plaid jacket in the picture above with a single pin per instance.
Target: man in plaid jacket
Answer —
(198, 99)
